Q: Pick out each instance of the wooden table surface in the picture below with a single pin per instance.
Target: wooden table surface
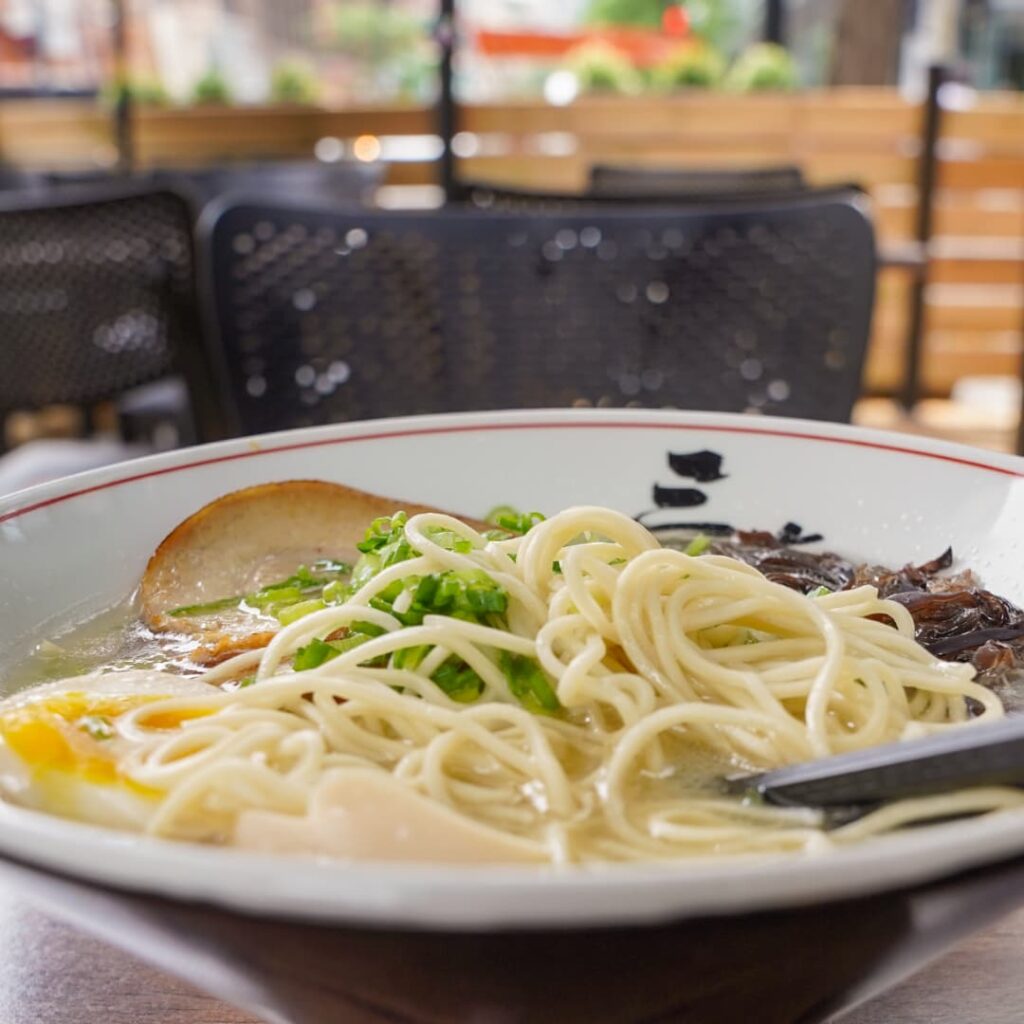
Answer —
(52, 973)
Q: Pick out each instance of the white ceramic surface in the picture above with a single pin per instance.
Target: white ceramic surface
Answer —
(73, 547)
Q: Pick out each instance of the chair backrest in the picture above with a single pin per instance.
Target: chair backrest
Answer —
(481, 195)
(323, 315)
(97, 294)
(627, 181)
(347, 182)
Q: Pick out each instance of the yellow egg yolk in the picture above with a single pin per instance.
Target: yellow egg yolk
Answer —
(70, 734)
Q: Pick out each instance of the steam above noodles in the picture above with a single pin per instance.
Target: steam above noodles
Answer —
(569, 695)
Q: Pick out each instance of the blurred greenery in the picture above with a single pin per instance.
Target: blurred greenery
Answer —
(211, 88)
(762, 67)
(294, 81)
(715, 21)
(391, 49)
(601, 67)
(415, 74)
(695, 64)
(147, 92)
(374, 31)
(641, 13)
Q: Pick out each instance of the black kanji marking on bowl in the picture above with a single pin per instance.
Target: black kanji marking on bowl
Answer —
(704, 466)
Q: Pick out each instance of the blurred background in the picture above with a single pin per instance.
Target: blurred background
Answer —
(519, 104)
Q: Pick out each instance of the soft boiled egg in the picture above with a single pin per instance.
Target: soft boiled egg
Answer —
(61, 751)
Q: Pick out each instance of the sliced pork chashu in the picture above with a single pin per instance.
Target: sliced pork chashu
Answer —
(245, 541)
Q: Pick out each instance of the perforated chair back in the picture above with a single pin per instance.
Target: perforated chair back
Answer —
(348, 182)
(324, 316)
(613, 181)
(97, 293)
(481, 195)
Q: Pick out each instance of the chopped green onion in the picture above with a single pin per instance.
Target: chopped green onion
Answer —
(383, 531)
(313, 655)
(384, 545)
(520, 524)
(511, 520)
(698, 545)
(458, 680)
(470, 595)
(449, 540)
(819, 592)
(220, 604)
(317, 651)
(529, 683)
(350, 642)
(410, 657)
(270, 598)
(293, 612)
(380, 605)
(98, 727)
(305, 582)
(498, 512)
(336, 592)
(368, 628)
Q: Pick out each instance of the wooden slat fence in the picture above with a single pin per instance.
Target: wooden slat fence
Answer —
(974, 311)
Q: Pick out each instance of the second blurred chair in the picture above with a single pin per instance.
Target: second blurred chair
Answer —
(610, 181)
(323, 315)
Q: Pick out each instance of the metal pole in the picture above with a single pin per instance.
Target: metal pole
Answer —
(1020, 424)
(123, 138)
(775, 22)
(446, 110)
(926, 177)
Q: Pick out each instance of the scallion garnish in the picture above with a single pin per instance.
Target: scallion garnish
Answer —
(306, 582)
(99, 727)
(698, 545)
(529, 683)
(458, 681)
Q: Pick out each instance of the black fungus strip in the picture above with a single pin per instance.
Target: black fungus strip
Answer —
(953, 617)
(793, 533)
(951, 646)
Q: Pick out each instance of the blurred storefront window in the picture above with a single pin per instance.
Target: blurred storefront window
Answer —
(52, 47)
(350, 52)
(992, 43)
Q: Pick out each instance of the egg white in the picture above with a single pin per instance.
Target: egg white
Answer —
(48, 762)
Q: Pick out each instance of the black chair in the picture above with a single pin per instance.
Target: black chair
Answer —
(610, 181)
(16, 178)
(97, 296)
(479, 195)
(323, 315)
(630, 185)
(348, 182)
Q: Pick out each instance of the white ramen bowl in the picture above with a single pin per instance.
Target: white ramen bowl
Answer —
(71, 548)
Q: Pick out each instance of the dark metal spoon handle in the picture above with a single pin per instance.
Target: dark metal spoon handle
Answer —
(978, 755)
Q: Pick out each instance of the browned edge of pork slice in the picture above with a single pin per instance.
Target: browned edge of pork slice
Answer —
(245, 540)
